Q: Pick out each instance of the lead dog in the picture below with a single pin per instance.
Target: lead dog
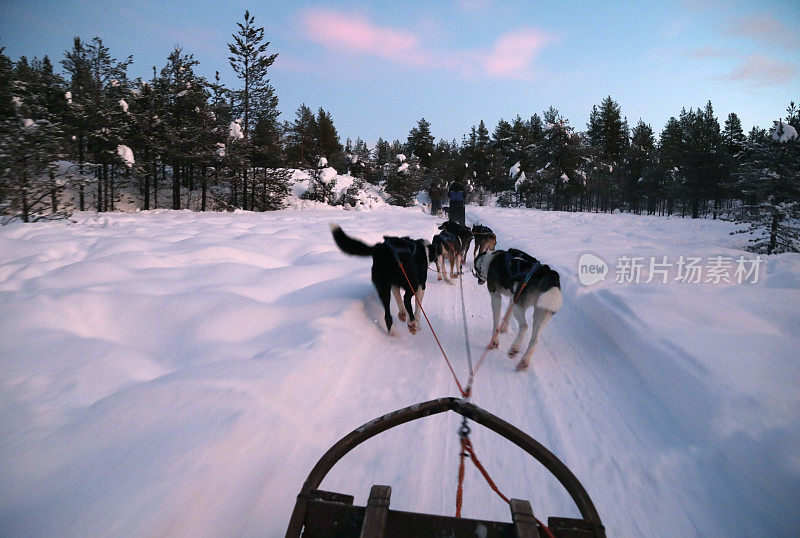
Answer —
(485, 239)
(386, 273)
(504, 273)
(446, 246)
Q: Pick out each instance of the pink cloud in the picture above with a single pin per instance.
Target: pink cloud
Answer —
(763, 71)
(711, 52)
(355, 33)
(513, 53)
(766, 29)
(510, 57)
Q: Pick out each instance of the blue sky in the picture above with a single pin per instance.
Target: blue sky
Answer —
(379, 66)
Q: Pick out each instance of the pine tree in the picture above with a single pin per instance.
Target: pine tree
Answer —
(404, 180)
(327, 138)
(301, 138)
(420, 143)
(256, 98)
(555, 162)
(640, 170)
(769, 179)
(608, 139)
(29, 144)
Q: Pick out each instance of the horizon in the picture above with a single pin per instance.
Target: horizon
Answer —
(379, 68)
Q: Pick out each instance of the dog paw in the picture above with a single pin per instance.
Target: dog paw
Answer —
(512, 353)
(413, 328)
(523, 365)
(403, 315)
(494, 343)
(439, 277)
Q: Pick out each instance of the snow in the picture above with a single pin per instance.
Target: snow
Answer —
(126, 154)
(220, 149)
(788, 132)
(170, 372)
(16, 101)
(400, 157)
(403, 168)
(235, 130)
(68, 97)
(520, 180)
(322, 163)
(326, 175)
(28, 123)
(123, 105)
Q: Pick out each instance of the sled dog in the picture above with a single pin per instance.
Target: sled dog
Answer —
(387, 276)
(504, 272)
(446, 246)
(485, 240)
(463, 233)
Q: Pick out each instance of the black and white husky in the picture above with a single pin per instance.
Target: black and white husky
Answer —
(504, 272)
(387, 276)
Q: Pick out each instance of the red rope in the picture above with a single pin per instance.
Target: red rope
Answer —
(489, 347)
(466, 444)
(460, 490)
(464, 393)
(468, 450)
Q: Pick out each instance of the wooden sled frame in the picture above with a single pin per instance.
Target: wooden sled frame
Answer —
(377, 508)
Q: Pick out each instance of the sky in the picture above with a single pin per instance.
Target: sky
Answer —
(380, 66)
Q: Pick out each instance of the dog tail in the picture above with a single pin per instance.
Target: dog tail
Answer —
(349, 245)
(550, 300)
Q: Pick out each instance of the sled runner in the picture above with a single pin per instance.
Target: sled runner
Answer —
(326, 514)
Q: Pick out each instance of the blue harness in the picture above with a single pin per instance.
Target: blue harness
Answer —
(520, 267)
(396, 251)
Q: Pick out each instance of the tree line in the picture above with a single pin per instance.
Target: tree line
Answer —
(178, 140)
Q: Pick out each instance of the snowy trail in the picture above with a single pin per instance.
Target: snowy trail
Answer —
(177, 373)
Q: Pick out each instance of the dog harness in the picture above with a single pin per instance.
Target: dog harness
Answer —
(481, 230)
(520, 267)
(449, 237)
(406, 249)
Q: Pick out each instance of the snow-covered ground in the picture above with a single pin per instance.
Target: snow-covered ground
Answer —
(178, 373)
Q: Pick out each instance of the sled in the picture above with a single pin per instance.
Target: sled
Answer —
(326, 514)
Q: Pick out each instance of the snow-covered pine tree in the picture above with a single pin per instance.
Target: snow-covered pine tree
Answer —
(105, 117)
(328, 143)
(640, 169)
(403, 180)
(608, 142)
(29, 144)
(769, 179)
(256, 98)
(555, 177)
(420, 142)
(77, 120)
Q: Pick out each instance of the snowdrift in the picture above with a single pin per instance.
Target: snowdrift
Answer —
(170, 372)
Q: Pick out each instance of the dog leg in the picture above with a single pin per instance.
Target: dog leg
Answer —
(440, 268)
(413, 326)
(519, 314)
(401, 310)
(420, 295)
(540, 319)
(384, 294)
(497, 302)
